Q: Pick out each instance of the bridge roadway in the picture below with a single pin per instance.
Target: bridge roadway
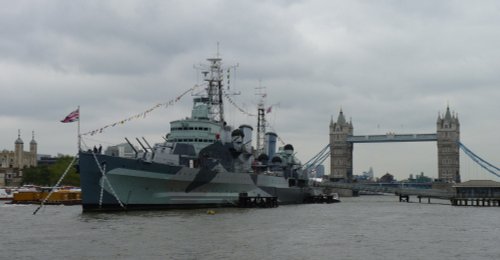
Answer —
(423, 193)
(391, 137)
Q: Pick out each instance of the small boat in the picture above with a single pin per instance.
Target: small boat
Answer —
(6, 193)
(35, 195)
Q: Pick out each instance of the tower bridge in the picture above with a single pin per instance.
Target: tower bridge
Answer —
(447, 137)
(342, 142)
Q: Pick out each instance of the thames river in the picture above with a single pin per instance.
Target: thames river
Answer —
(367, 227)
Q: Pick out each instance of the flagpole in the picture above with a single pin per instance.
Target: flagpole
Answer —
(79, 135)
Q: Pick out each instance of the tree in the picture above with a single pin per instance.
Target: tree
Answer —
(387, 178)
(49, 175)
(57, 169)
(36, 175)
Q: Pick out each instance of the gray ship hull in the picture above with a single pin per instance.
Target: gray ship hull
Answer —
(137, 184)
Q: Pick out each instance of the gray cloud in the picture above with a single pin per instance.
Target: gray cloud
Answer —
(390, 65)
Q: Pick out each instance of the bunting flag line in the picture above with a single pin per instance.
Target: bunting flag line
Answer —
(237, 107)
(140, 115)
(72, 117)
(249, 114)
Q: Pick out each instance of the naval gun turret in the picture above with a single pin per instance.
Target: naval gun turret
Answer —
(233, 156)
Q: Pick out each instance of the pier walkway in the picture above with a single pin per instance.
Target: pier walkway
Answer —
(402, 192)
(487, 192)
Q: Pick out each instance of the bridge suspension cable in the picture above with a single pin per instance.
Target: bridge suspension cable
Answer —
(480, 161)
(317, 159)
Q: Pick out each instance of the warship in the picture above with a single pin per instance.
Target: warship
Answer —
(203, 162)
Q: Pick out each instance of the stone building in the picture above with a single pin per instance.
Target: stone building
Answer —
(12, 162)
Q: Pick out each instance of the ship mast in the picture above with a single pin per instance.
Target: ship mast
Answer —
(261, 119)
(214, 77)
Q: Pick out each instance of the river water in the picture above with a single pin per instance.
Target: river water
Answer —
(367, 227)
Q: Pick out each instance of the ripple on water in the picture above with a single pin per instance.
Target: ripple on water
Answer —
(371, 227)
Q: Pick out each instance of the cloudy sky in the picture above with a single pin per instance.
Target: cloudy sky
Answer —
(390, 65)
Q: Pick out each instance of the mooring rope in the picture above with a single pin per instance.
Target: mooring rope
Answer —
(105, 178)
(55, 186)
(102, 190)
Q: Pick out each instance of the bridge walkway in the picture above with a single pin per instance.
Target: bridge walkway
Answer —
(423, 193)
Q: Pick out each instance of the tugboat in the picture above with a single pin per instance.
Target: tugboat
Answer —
(203, 163)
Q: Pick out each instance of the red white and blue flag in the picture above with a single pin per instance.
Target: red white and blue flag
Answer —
(72, 117)
(269, 109)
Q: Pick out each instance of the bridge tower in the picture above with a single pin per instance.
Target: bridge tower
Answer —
(448, 136)
(340, 149)
(19, 151)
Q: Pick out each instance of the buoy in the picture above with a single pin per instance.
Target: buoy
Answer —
(210, 212)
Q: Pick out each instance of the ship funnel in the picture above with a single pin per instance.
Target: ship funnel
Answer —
(247, 137)
(270, 144)
(226, 134)
(237, 139)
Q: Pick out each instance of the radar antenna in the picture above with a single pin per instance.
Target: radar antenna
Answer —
(213, 75)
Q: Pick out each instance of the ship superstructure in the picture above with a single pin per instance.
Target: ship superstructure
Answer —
(206, 124)
(203, 162)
